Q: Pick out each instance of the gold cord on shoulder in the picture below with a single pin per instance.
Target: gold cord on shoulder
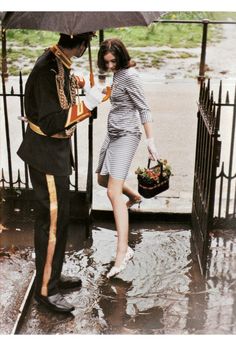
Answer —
(60, 83)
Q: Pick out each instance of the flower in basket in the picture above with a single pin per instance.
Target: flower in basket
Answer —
(151, 176)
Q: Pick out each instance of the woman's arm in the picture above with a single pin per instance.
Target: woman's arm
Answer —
(148, 129)
(136, 93)
(153, 155)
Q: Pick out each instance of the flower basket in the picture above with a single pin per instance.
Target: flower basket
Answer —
(154, 180)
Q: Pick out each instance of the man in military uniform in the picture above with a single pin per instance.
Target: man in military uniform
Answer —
(52, 113)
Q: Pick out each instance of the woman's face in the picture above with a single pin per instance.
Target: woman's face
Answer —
(110, 62)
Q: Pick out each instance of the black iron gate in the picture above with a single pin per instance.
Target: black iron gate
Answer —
(210, 209)
(16, 195)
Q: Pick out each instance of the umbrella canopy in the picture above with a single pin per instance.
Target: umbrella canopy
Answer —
(72, 23)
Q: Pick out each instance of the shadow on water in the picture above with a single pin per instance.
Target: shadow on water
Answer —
(160, 292)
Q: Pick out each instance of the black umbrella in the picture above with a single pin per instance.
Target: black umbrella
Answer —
(72, 23)
(76, 22)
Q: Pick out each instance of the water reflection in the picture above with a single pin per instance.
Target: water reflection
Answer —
(160, 292)
(113, 303)
(197, 296)
(221, 281)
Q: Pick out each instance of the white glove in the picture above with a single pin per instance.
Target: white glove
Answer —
(153, 155)
(93, 97)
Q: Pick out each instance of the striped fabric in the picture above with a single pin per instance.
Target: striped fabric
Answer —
(116, 156)
(128, 109)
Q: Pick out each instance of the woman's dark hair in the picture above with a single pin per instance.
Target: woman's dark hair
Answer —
(72, 41)
(116, 48)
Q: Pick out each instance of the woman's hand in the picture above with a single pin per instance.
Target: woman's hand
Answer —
(93, 98)
(153, 155)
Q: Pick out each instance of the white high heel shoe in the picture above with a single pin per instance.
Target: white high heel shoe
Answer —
(137, 200)
(116, 270)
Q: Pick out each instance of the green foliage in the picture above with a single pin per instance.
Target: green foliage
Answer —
(31, 38)
(174, 35)
(34, 38)
(27, 45)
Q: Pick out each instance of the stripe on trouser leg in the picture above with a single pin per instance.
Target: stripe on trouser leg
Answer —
(52, 233)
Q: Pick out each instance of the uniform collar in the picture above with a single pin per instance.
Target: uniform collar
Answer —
(61, 56)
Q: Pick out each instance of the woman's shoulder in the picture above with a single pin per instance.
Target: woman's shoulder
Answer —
(129, 74)
(133, 79)
(131, 71)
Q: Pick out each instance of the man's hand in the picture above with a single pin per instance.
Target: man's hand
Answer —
(80, 81)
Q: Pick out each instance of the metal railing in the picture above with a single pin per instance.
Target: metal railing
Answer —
(16, 193)
(206, 198)
(205, 26)
(225, 206)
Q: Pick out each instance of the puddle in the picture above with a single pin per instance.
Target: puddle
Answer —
(160, 292)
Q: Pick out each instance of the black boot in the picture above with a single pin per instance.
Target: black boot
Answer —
(56, 302)
(66, 282)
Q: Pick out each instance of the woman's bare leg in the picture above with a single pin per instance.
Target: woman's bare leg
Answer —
(127, 190)
(115, 194)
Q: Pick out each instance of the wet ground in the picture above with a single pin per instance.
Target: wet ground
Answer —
(160, 292)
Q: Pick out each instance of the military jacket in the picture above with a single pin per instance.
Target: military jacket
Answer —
(42, 107)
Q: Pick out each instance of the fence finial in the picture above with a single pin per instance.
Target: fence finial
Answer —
(220, 93)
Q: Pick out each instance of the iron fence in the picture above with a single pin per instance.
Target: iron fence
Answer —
(225, 204)
(209, 208)
(16, 192)
(205, 27)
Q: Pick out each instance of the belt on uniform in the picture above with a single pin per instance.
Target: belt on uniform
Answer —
(37, 130)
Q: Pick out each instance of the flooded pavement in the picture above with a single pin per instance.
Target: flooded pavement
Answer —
(160, 292)
(17, 268)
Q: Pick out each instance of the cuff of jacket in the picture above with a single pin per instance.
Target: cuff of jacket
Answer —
(77, 113)
(146, 117)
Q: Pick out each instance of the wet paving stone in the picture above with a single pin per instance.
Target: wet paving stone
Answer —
(161, 291)
(17, 269)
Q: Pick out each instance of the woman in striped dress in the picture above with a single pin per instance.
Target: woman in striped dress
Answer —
(128, 108)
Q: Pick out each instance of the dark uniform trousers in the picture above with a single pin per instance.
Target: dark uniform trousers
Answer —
(51, 223)
(49, 161)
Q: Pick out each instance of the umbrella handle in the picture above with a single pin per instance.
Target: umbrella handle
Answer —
(91, 77)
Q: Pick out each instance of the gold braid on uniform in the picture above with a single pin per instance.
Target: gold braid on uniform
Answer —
(60, 55)
(61, 60)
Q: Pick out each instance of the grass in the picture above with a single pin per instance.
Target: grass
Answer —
(24, 46)
(31, 38)
(23, 59)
